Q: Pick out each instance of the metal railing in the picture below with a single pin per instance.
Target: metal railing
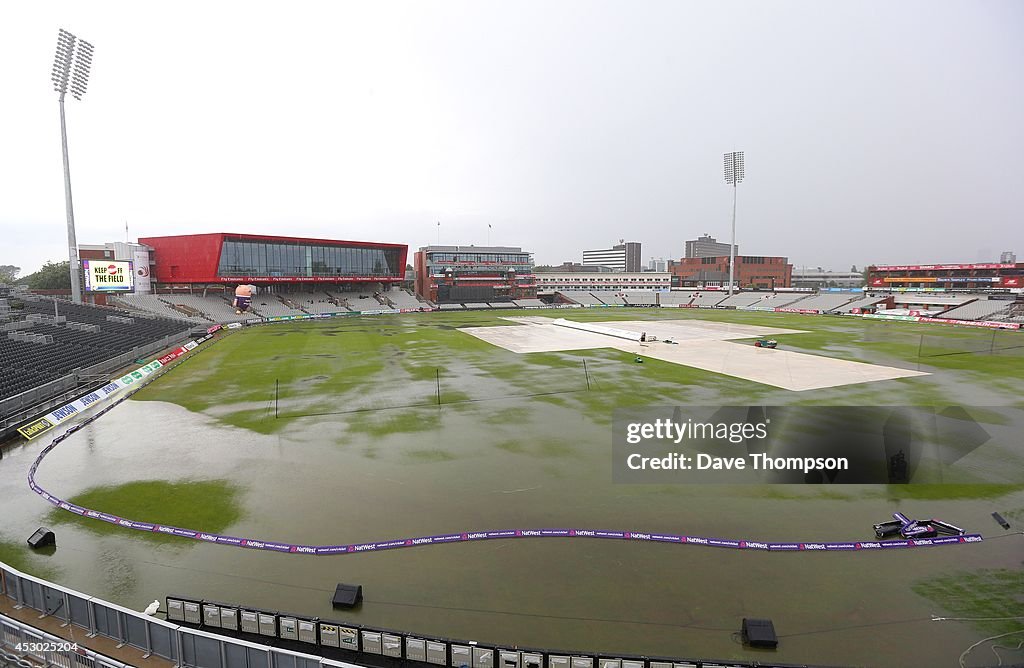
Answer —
(26, 646)
(182, 646)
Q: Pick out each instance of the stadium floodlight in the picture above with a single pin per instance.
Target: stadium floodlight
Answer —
(733, 176)
(71, 65)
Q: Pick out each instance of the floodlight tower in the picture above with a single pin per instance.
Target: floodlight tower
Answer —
(71, 65)
(733, 175)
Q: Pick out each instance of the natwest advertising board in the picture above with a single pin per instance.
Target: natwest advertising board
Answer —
(928, 267)
(992, 324)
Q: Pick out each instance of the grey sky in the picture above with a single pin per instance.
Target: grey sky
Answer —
(873, 131)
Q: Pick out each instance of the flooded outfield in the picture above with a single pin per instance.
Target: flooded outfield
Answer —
(509, 462)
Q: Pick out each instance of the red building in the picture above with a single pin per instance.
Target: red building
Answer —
(752, 271)
(459, 274)
(221, 258)
(995, 276)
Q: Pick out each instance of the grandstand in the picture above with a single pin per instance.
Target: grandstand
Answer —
(529, 303)
(741, 299)
(785, 300)
(611, 300)
(215, 307)
(581, 297)
(401, 299)
(49, 347)
(1014, 312)
(314, 302)
(642, 298)
(153, 305)
(980, 309)
(825, 301)
(675, 298)
(360, 302)
(708, 299)
(862, 303)
(272, 305)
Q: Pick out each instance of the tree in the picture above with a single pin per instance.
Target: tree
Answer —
(853, 269)
(8, 273)
(52, 276)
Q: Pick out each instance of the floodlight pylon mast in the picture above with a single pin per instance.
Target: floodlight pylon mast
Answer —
(71, 65)
(733, 175)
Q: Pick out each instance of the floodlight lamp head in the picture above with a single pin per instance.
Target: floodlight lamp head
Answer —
(734, 171)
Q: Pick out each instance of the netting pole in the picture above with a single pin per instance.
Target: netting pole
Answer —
(920, 345)
(992, 347)
(437, 376)
(586, 373)
(277, 396)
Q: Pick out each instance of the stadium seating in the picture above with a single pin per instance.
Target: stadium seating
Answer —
(1014, 312)
(675, 298)
(315, 302)
(215, 307)
(863, 302)
(708, 299)
(45, 346)
(581, 297)
(741, 299)
(981, 309)
(529, 303)
(641, 298)
(153, 305)
(827, 301)
(402, 299)
(360, 301)
(272, 305)
(610, 300)
(785, 300)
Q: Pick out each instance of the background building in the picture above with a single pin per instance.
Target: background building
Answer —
(572, 267)
(999, 276)
(752, 271)
(819, 278)
(658, 264)
(220, 258)
(623, 257)
(548, 283)
(1007, 257)
(460, 274)
(707, 246)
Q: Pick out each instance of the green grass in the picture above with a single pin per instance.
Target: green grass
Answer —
(991, 594)
(203, 505)
(389, 362)
(20, 556)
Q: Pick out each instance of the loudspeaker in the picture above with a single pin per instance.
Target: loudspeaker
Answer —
(759, 633)
(347, 596)
(41, 538)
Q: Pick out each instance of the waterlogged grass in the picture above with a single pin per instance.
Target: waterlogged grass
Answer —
(203, 505)
(344, 366)
(992, 594)
(19, 556)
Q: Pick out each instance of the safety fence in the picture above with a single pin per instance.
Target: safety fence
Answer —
(206, 634)
(19, 640)
(181, 645)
